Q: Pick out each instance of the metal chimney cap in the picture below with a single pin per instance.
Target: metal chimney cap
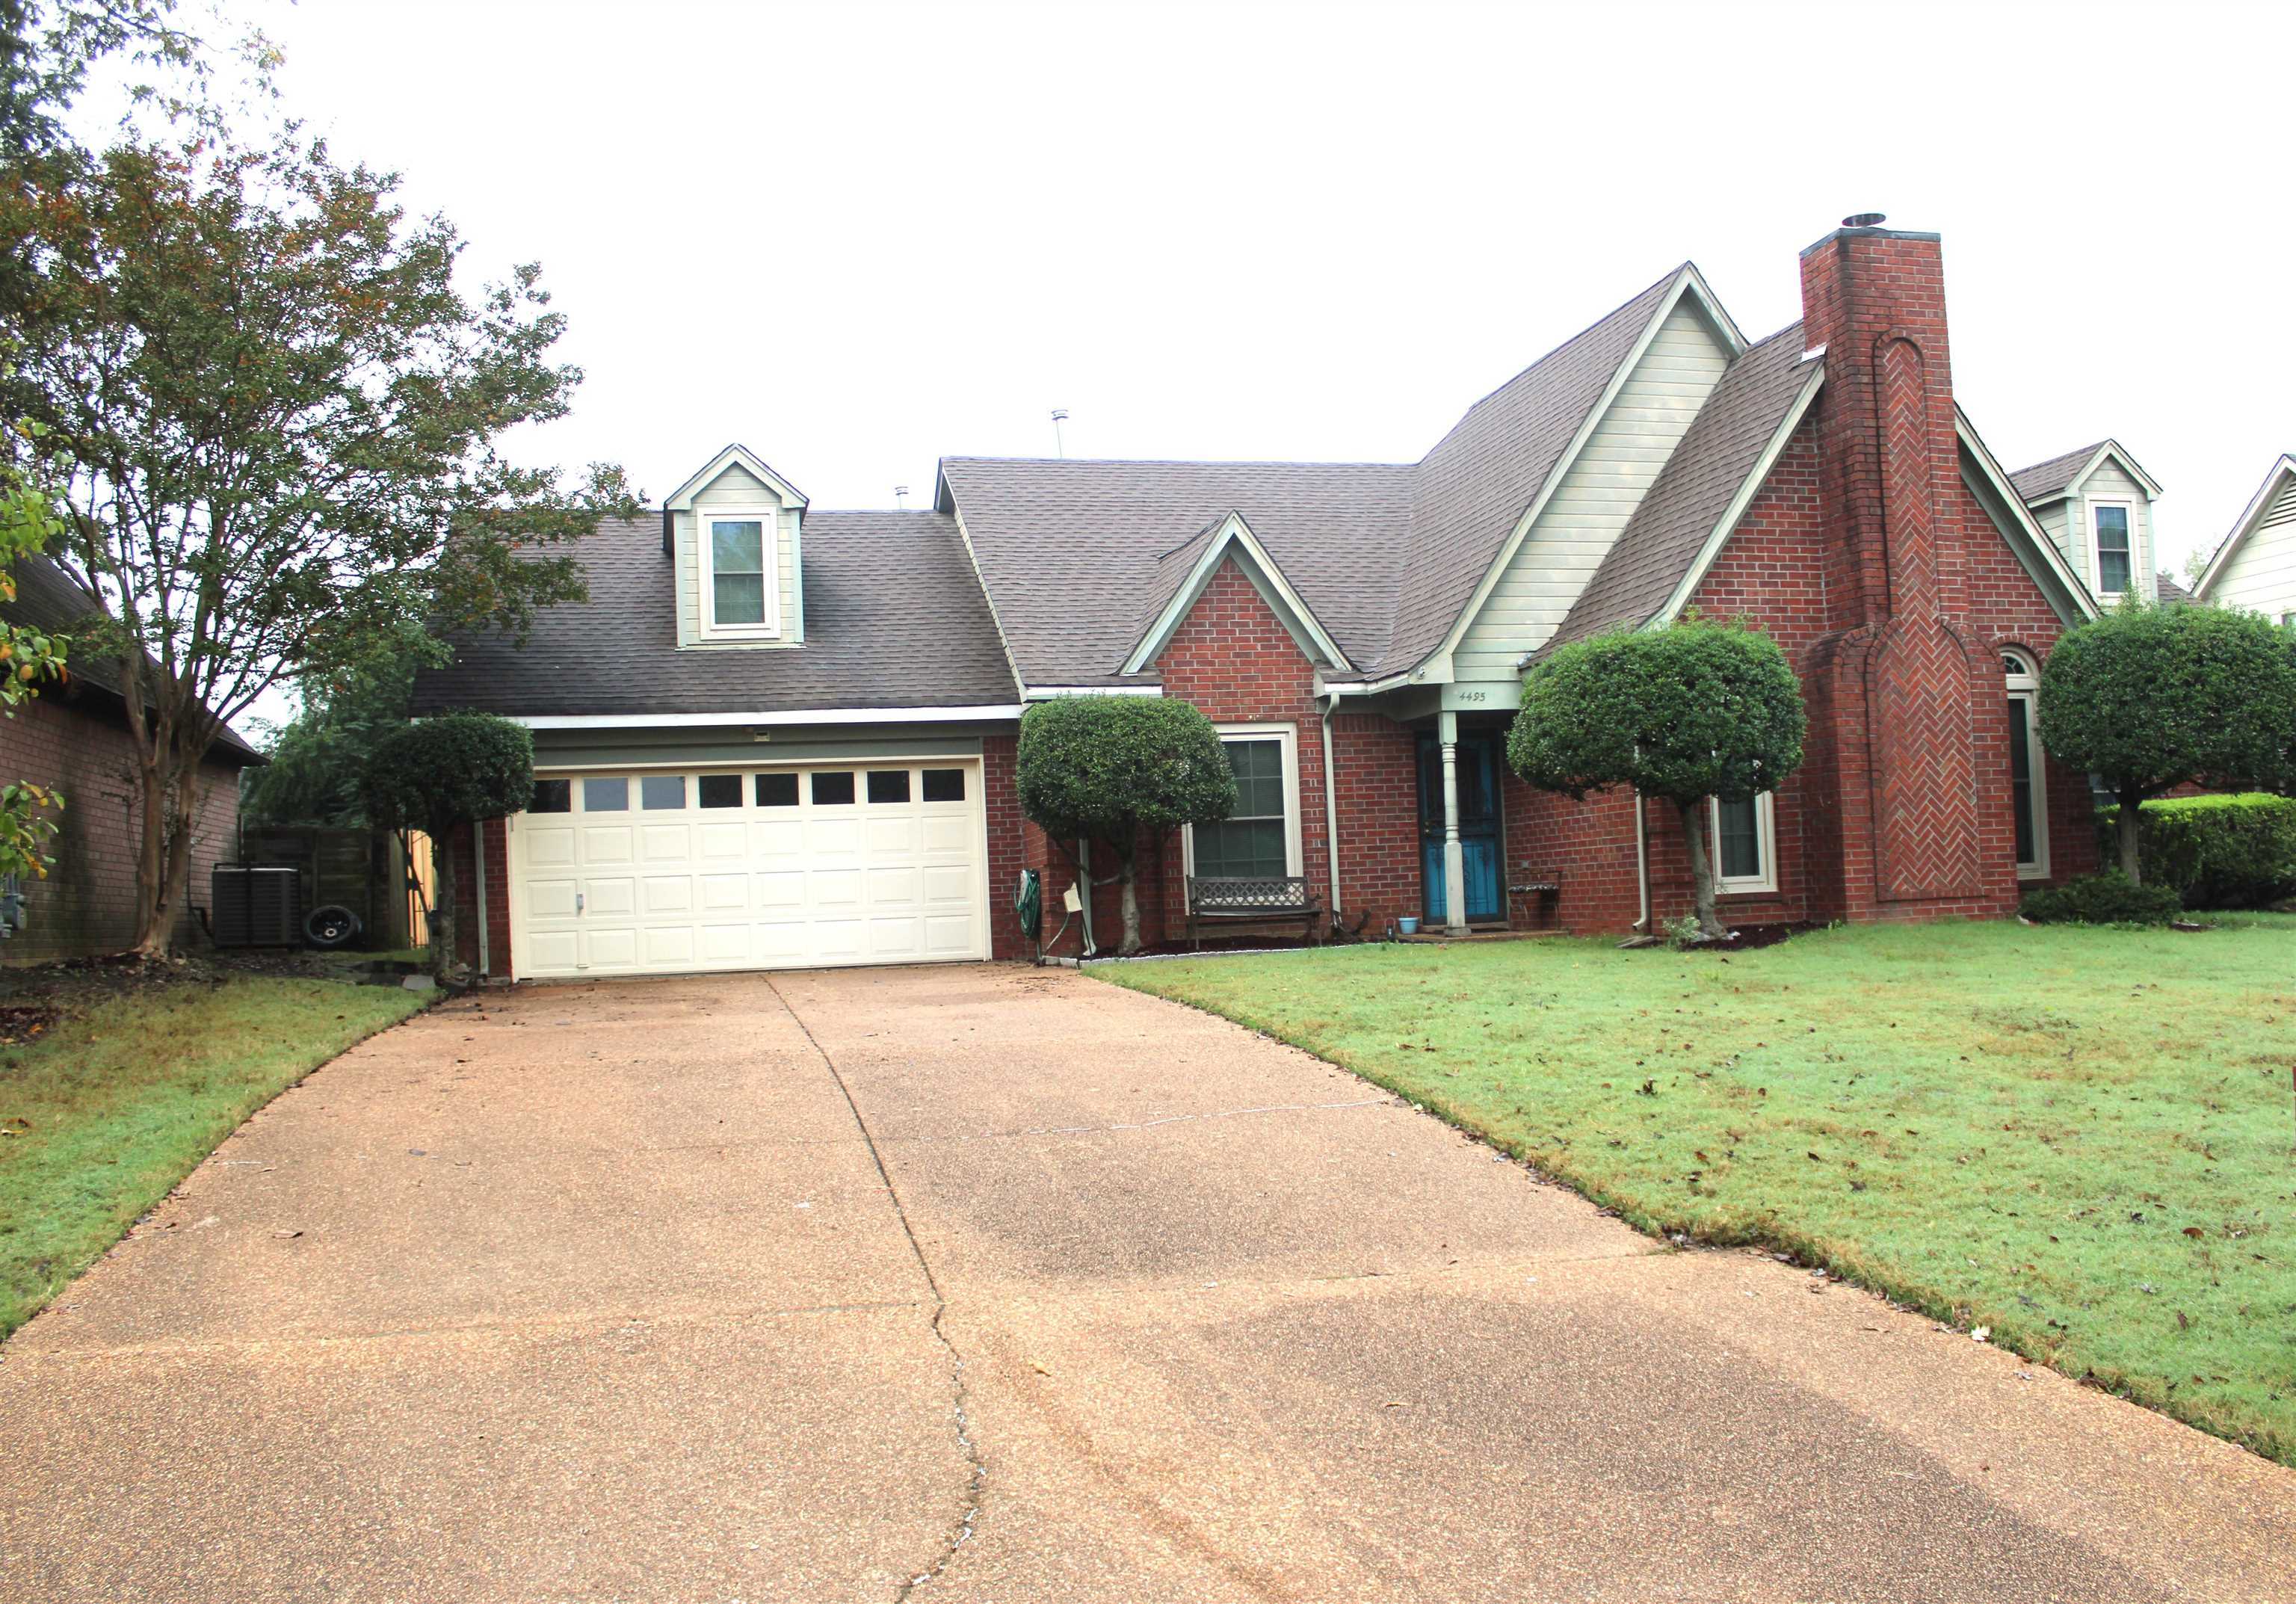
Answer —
(1865, 219)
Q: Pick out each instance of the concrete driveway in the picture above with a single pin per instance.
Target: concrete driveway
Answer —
(810, 1286)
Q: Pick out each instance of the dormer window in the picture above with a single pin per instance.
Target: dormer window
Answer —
(737, 554)
(734, 535)
(2112, 524)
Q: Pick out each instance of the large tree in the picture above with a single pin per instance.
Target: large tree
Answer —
(2151, 698)
(279, 417)
(317, 770)
(1114, 769)
(1694, 710)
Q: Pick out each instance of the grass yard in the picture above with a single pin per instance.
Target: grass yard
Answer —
(2082, 1138)
(105, 1110)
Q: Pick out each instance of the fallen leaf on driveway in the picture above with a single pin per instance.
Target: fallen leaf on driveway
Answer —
(285, 1235)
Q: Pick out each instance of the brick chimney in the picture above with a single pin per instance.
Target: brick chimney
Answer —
(1895, 687)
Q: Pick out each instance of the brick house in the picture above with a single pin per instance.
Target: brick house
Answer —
(777, 735)
(73, 738)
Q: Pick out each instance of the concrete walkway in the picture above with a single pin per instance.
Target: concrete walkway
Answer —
(811, 1285)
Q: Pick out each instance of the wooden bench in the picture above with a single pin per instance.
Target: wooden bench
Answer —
(1250, 899)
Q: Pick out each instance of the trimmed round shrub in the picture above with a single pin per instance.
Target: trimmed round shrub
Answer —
(2219, 851)
(2110, 899)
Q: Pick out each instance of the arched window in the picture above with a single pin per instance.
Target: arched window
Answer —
(2029, 781)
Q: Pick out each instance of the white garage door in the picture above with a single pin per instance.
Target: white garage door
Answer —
(654, 872)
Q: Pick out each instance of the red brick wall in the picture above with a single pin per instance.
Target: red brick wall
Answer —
(77, 743)
(1375, 770)
(497, 890)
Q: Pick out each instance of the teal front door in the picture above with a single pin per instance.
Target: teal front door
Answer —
(1479, 825)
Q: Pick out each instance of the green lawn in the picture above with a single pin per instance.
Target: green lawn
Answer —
(111, 1106)
(2084, 1138)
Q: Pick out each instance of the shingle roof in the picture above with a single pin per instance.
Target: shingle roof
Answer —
(1070, 549)
(50, 599)
(2045, 479)
(2169, 589)
(893, 619)
(1668, 528)
(1474, 487)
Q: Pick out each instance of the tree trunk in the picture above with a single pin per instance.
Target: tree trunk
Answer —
(1701, 870)
(163, 860)
(1125, 876)
(444, 946)
(2132, 803)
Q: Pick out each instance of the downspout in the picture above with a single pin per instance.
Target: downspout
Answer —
(1331, 805)
(1641, 861)
(479, 856)
(1084, 897)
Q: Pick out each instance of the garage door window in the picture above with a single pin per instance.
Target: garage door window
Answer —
(944, 785)
(833, 787)
(776, 790)
(552, 796)
(662, 793)
(719, 790)
(889, 785)
(606, 796)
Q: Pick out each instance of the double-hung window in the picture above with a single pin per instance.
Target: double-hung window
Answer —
(737, 553)
(1746, 844)
(2113, 525)
(1261, 837)
(2027, 776)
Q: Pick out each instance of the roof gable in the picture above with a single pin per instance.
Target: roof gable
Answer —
(1702, 491)
(681, 500)
(2063, 475)
(2262, 508)
(1477, 494)
(1983, 473)
(1184, 571)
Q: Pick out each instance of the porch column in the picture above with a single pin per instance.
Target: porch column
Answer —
(1454, 867)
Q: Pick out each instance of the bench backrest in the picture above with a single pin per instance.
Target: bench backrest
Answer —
(1236, 894)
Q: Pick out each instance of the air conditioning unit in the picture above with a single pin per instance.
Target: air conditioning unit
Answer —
(257, 904)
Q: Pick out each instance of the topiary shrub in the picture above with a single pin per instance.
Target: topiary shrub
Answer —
(2110, 899)
(1112, 768)
(1697, 709)
(2220, 851)
(437, 774)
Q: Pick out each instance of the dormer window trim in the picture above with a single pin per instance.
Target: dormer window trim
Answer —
(2132, 532)
(705, 551)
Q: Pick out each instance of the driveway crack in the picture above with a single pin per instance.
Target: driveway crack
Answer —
(977, 1476)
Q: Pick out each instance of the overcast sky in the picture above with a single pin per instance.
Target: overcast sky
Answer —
(858, 237)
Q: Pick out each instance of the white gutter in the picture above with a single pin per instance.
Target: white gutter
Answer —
(1641, 861)
(1045, 692)
(1331, 806)
(983, 712)
(479, 856)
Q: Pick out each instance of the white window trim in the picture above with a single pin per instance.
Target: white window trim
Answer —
(1766, 842)
(2136, 546)
(2025, 687)
(712, 630)
(1288, 736)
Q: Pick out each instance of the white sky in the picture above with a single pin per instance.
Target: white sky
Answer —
(857, 237)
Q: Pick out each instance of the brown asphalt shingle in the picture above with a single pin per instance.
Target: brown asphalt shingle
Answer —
(1692, 492)
(893, 619)
(1072, 551)
(2044, 479)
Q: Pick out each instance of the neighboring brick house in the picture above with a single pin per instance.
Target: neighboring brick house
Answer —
(73, 738)
(781, 736)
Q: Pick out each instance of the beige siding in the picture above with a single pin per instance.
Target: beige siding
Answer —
(2262, 574)
(1646, 421)
(2109, 483)
(2055, 523)
(737, 487)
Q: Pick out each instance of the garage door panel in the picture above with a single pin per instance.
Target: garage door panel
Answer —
(551, 898)
(783, 880)
(610, 949)
(834, 889)
(948, 838)
(721, 841)
(548, 846)
(947, 882)
(612, 898)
